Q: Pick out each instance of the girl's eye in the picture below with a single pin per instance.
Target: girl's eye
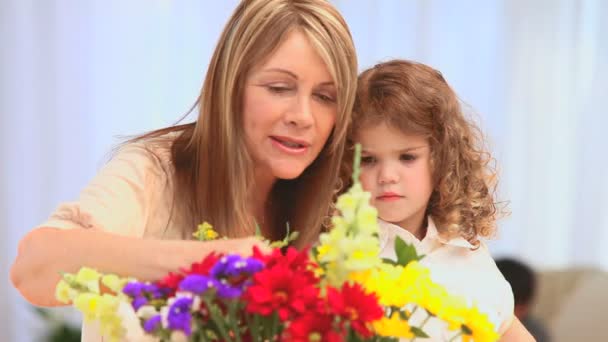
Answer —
(407, 157)
(368, 160)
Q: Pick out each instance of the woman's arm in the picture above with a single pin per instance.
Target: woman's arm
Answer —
(517, 333)
(45, 252)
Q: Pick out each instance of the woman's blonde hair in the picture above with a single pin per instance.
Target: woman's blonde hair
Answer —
(416, 99)
(212, 164)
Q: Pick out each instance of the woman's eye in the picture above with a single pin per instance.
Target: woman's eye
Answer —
(407, 157)
(325, 98)
(367, 160)
(277, 89)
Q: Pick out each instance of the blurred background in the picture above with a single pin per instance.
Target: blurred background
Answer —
(75, 75)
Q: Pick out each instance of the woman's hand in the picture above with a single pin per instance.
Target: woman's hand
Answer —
(244, 246)
(45, 253)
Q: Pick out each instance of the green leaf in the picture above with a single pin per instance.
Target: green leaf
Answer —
(418, 332)
(357, 163)
(217, 317)
(315, 253)
(466, 330)
(389, 261)
(406, 252)
(258, 231)
(288, 239)
(64, 333)
(404, 316)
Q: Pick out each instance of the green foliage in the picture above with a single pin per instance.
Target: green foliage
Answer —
(59, 330)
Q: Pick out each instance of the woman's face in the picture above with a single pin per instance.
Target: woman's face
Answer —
(289, 109)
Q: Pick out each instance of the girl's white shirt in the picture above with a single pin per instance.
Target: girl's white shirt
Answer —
(464, 271)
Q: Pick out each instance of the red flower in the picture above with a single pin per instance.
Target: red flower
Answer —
(281, 289)
(298, 261)
(204, 266)
(355, 306)
(171, 281)
(314, 327)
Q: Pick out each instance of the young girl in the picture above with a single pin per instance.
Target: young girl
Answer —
(429, 178)
(273, 116)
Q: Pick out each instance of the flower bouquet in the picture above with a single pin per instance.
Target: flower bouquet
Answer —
(338, 290)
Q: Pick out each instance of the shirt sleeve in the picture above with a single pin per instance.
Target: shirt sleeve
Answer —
(118, 198)
(503, 303)
(506, 308)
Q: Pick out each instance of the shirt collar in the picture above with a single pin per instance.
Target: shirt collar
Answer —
(431, 233)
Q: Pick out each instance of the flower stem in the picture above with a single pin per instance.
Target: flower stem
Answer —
(455, 337)
(357, 163)
(428, 316)
(275, 325)
(215, 314)
(234, 324)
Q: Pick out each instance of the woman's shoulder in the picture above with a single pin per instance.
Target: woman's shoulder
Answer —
(126, 194)
(154, 151)
(146, 159)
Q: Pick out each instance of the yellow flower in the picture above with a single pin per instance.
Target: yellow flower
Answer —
(110, 322)
(347, 204)
(347, 254)
(361, 253)
(393, 327)
(433, 298)
(453, 311)
(330, 243)
(479, 326)
(88, 304)
(367, 220)
(205, 232)
(339, 223)
(114, 282)
(64, 292)
(88, 278)
(383, 281)
(104, 309)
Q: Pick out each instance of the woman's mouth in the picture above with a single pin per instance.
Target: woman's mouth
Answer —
(290, 145)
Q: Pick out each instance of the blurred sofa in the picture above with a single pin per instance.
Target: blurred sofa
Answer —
(573, 303)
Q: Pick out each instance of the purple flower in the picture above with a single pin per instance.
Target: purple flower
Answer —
(197, 283)
(233, 273)
(142, 293)
(179, 317)
(138, 302)
(152, 323)
(134, 289)
(225, 290)
(154, 291)
(235, 265)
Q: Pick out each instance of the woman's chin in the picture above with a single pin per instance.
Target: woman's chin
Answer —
(288, 172)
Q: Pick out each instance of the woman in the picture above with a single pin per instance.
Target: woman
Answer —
(265, 150)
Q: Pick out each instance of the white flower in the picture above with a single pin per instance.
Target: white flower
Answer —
(146, 311)
(178, 336)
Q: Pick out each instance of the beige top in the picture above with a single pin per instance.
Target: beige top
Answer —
(470, 273)
(131, 195)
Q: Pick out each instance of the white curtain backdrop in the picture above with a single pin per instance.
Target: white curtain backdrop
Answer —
(76, 74)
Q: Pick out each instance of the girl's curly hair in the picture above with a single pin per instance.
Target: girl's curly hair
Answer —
(416, 99)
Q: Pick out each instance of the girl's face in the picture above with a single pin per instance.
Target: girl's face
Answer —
(396, 170)
(289, 109)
